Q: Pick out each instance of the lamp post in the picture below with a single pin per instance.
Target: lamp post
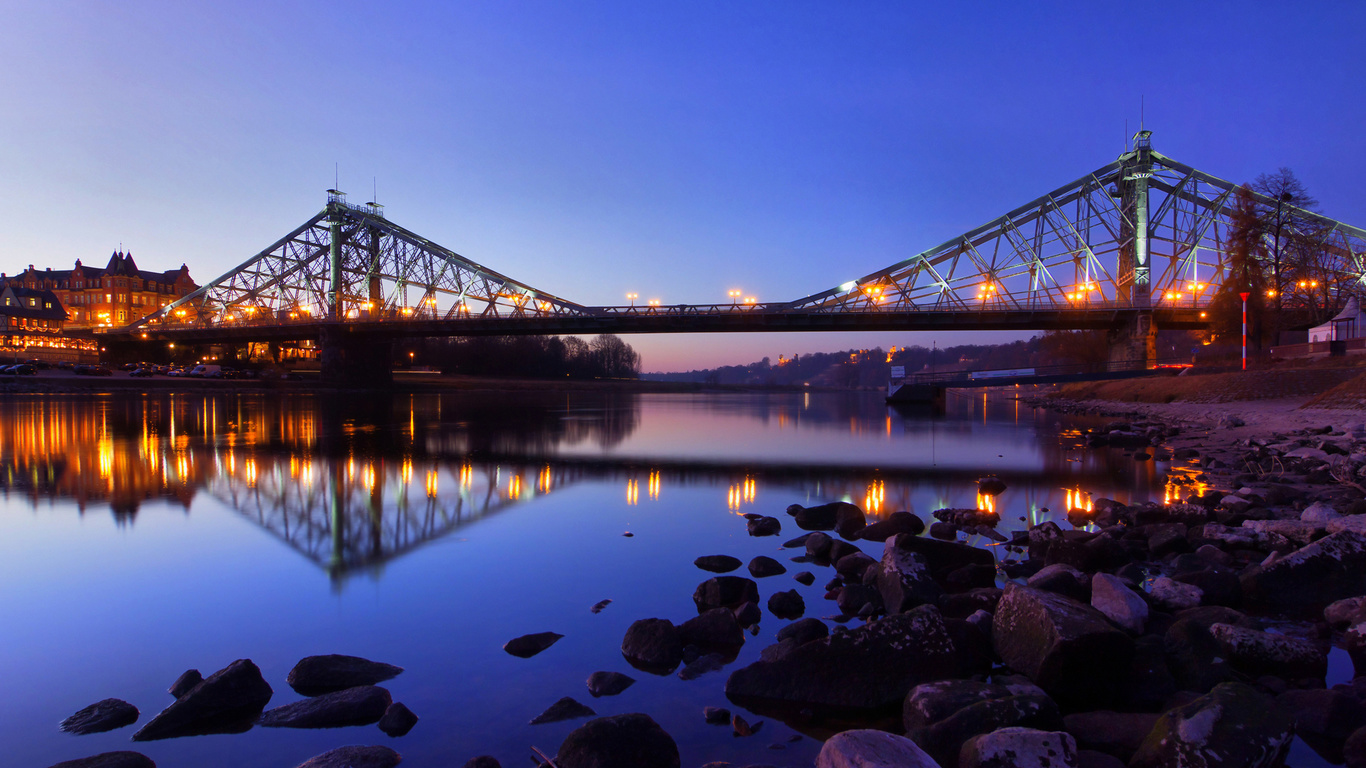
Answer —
(1244, 296)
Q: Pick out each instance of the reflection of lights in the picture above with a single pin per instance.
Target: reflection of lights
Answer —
(986, 503)
(466, 477)
(744, 493)
(251, 472)
(431, 482)
(873, 497)
(654, 484)
(106, 452)
(1078, 502)
(369, 476)
(405, 471)
(514, 486)
(543, 480)
(632, 492)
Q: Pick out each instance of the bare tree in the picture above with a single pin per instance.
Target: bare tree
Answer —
(1283, 221)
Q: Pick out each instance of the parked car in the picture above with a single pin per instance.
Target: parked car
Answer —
(140, 372)
(24, 369)
(205, 370)
(65, 365)
(100, 370)
(176, 372)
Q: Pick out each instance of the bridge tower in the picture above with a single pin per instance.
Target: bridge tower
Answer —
(1136, 339)
(348, 354)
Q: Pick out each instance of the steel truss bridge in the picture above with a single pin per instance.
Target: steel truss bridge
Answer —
(1139, 243)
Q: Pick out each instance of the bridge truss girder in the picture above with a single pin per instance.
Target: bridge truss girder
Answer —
(381, 271)
(1074, 248)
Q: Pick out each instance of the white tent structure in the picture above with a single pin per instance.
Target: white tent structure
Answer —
(1350, 323)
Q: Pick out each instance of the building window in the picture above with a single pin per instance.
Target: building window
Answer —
(123, 315)
(109, 298)
(32, 302)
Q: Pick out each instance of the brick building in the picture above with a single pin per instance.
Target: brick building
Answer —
(118, 294)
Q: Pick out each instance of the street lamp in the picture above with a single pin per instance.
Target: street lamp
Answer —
(631, 297)
(734, 296)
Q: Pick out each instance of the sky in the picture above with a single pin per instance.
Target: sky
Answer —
(673, 150)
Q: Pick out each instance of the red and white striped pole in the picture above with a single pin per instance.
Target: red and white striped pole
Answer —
(1244, 297)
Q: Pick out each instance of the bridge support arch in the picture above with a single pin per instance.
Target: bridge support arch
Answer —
(357, 359)
(1134, 342)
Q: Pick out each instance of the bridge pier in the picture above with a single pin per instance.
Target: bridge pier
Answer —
(355, 359)
(1134, 342)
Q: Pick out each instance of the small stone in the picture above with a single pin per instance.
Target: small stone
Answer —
(786, 605)
(101, 716)
(355, 757)
(712, 662)
(564, 709)
(483, 761)
(716, 715)
(608, 683)
(526, 646)
(764, 526)
(805, 578)
(872, 749)
(397, 720)
(623, 741)
(182, 685)
(361, 705)
(743, 728)
(718, 563)
(335, 672)
(599, 605)
(110, 760)
(764, 566)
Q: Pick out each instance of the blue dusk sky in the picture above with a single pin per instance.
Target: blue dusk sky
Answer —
(674, 150)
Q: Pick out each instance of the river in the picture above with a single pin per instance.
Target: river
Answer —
(141, 536)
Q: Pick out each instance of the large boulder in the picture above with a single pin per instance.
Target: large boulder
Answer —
(228, 701)
(1265, 653)
(942, 716)
(725, 592)
(355, 757)
(653, 645)
(110, 760)
(1120, 604)
(786, 605)
(840, 516)
(870, 667)
(716, 629)
(945, 557)
(361, 705)
(1324, 718)
(872, 749)
(1329, 569)
(908, 523)
(1019, 748)
(1195, 659)
(101, 716)
(1115, 733)
(622, 741)
(334, 672)
(1233, 725)
(904, 580)
(1068, 648)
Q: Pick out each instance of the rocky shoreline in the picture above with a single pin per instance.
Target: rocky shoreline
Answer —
(1196, 631)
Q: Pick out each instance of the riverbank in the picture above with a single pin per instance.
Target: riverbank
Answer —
(405, 382)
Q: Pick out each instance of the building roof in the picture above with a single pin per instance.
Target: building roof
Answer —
(49, 306)
(120, 264)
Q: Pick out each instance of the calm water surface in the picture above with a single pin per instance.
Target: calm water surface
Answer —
(143, 536)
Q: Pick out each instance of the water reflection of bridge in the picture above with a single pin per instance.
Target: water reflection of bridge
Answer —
(349, 516)
(352, 484)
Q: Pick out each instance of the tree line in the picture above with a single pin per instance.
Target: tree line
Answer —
(532, 357)
(1278, 253)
